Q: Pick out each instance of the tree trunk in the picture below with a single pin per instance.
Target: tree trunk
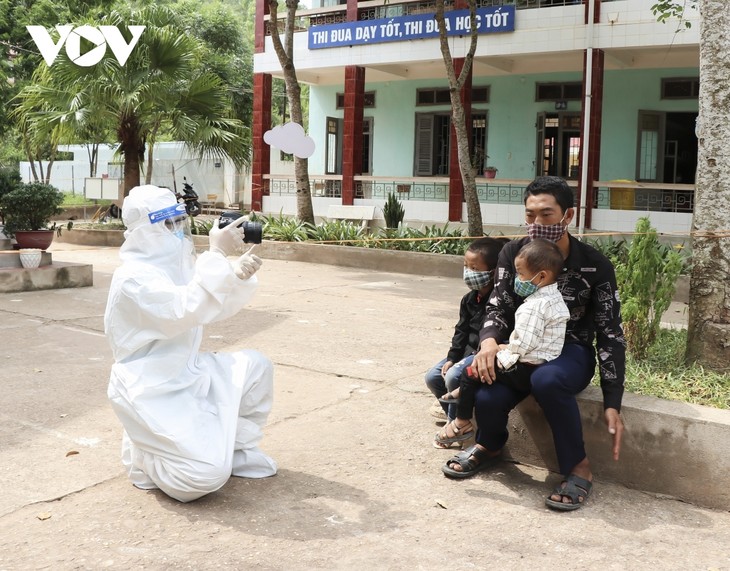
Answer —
(131, 143)
(92, 152)
(48, 170)
(284, 52)
(150, 152)
(708, 339)
(473, 209)
(31, 158)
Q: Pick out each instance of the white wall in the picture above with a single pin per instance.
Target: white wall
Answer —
(208, 175)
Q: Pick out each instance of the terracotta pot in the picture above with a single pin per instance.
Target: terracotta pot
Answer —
(40, 239)
(490, 173)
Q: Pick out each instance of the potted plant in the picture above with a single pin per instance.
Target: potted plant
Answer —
(490, 172)
(393, 212)
(27, 212)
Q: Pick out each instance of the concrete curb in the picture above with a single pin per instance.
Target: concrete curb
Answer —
(421, 263)
(669, 447)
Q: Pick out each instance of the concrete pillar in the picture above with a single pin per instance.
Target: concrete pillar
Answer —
(259, 30)
(593, 161)
(456, 185)
(261, 163)
(352, 130)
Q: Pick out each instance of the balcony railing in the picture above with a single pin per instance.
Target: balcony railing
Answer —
(655, 197)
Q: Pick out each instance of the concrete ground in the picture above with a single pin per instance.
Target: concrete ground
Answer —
(359, 486)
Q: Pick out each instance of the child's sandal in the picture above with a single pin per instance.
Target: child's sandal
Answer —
(459, 433)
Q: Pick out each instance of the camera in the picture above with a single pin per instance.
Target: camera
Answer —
(252, 231)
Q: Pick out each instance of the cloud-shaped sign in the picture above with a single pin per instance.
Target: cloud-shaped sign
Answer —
(290, 138)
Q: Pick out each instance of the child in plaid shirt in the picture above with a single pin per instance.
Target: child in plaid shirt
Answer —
(537, 336)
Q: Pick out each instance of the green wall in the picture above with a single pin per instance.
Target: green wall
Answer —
(512, 115)
(625, 93)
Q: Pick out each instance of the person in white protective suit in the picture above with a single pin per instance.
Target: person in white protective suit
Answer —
(191, 420)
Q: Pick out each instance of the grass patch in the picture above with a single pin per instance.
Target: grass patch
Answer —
(664, 374)
(112, 225)
(70, 199)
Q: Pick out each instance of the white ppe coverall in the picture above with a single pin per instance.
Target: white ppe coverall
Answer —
(191, 420)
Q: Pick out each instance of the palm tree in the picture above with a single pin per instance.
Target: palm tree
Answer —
(161, 87)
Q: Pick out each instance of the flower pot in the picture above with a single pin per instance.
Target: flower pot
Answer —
(490, 173)
(40, 239)
(30, 257)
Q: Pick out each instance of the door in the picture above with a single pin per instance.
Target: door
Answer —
(558, 144)
(650, 146)
(666, 152)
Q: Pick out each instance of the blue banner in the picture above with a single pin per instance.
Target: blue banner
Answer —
(415, 27)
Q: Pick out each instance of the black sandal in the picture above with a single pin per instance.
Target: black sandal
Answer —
(472, 460)
(574, 487)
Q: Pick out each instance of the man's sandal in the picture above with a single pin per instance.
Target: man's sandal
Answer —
(458, 434)
(575, 488)
(472, 460)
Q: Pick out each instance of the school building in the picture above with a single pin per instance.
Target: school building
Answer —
(595, 91)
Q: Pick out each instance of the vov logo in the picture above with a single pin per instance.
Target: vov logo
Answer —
(101, 37)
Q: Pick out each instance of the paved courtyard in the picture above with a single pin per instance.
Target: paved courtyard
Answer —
(359, 486)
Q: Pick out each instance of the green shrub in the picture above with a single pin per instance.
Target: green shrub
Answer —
(30, 207)
(9, 181)
(337, 232)
(646, 282)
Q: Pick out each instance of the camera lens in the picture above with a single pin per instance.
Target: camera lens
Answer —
(252, 232)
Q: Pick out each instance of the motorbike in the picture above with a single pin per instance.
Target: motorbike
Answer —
(190, 198)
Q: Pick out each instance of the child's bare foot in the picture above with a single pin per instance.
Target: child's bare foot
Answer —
(455, 431)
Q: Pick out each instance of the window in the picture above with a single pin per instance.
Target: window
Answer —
(680, 88)
(333, 146)
(333, 151)
(440, 95)
(368, 100)
(570, 91)
(433, 142)
(367, 146)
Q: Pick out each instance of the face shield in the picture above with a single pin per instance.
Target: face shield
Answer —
(174, 219)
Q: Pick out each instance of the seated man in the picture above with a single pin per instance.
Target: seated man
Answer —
(588, 286)
(191, 420)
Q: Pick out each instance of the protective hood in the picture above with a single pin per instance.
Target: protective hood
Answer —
(148, 239)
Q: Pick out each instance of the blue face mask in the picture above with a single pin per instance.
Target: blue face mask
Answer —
(524, 288)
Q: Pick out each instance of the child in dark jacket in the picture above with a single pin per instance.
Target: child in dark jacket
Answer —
(537, 336)
(480, 260)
